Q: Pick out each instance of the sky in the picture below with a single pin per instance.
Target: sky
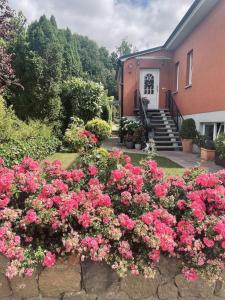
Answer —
(144, 23)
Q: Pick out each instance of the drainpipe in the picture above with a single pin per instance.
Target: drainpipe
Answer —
(122, 89)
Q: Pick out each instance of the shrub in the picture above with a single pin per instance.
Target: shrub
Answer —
(128, 126)
(83, 98)
(100, 128)
(220, 145)
(188, 129)
(77, 139)
(38, 148)
(128, 220)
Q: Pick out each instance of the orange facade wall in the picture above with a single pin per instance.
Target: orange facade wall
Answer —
(207, 93)
(132, 72)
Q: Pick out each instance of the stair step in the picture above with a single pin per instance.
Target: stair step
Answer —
(168, 147)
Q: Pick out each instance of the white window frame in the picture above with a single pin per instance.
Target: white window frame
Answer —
(215, 133)
(189, 68)
(177, 66)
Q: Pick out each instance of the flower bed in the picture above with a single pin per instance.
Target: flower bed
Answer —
(125, 215)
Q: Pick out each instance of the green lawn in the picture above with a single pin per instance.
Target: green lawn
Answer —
(67, 159)
(170, 167)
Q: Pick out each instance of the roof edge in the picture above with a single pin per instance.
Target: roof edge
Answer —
(138, 53)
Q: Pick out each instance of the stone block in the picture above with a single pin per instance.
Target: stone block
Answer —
(169, 268)
(138, 287)
(3, 263)
(79, 296)
(24, 287)
(114, 296)
(5, 290)
(98, 277)
(199, 289)
(168, 291)
(61, 278)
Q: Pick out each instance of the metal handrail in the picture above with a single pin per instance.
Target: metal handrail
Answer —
(174, 110)
(138, 101)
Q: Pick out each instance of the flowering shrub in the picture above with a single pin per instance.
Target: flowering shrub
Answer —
(125, 215)
(77, 139)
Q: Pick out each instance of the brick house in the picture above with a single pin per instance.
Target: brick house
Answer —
(184, 78)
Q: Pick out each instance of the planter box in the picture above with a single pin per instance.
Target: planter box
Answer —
(207, 154)
(219, 161)
(187, 145)
(137, 146)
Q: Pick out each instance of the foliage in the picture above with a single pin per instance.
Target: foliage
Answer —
(188, 129)
(220, 145)
(11, 128)
(83, 98)
(111, 211)
(100, 128)
(19, 139)
(139, 135)
(38, 148)
(7, 76)
(128, 126)
(77, 139)
(106, 106)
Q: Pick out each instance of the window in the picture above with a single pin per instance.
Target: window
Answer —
(177, 71)
(212, 130)
(189, 68)
(149, 84)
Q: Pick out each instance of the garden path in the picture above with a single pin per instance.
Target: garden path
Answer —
(186, 160)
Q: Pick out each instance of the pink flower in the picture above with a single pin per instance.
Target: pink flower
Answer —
(161, 190)
(147, 218)
(84, 220)
(49, 260)
(92, 170)
(28, 272)
(126, 222)
(190, 274)
(31, 216)
(181, 204)
(209, 243)
(223, 244)
(154, 255)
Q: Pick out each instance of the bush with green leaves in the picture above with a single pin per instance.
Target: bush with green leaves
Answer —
(19, 139)
(188, 129)
(128, 126)
(220, 145)
(39, 148)
(100, 128)
(82, 98)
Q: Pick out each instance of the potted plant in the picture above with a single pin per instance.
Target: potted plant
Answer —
(188, 132)
(208, 150)
(138, 137)
(199, 142)
(129, 143)
(145, 102)
(220, 150)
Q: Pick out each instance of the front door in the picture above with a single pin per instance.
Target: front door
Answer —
(149, 86)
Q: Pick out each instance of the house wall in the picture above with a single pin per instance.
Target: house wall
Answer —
(207, 93)
(132, 68)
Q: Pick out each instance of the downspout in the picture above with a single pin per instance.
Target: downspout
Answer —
(122, 89)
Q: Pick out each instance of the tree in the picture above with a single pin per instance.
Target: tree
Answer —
(125, 48)
(7, 76)
(82, 98)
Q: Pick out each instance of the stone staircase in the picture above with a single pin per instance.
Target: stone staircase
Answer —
(166, 136)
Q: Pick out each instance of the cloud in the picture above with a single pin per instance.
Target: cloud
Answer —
(146, 23)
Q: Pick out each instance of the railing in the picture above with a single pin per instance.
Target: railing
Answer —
(174, 110)
(142, 109)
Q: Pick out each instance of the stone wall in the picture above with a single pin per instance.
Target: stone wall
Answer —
(96, 281)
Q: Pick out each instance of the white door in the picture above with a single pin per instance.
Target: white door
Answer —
(149, 86)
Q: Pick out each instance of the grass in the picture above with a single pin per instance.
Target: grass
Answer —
(67, 159)
(170, 167)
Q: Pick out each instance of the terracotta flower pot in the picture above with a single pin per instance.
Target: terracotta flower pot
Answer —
(207, 154)
(187, 145)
